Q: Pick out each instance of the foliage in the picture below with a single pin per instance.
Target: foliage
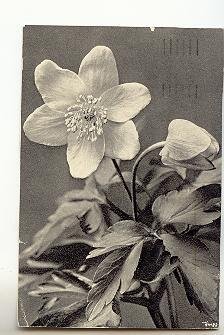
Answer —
(102, 246)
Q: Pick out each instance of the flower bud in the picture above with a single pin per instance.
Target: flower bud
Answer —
(189, 146)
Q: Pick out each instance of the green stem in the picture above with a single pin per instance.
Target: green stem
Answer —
(123, 215)
(153, 309)
(134, 173)
(122, 178)
(171, 303)
(152, 302)
(157, 317)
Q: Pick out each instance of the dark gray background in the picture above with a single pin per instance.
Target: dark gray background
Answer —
(181, 67)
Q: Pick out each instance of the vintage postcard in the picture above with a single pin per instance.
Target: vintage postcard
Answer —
(120, 177)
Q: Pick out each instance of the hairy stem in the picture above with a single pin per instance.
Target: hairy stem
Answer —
(122, 178)
(153, 309)
(134, 173)
(123, 215)
(152, 303)
(171, 303)
(157, 317)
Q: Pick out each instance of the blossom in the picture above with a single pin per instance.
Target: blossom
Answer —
(90, 112)
(189, 146)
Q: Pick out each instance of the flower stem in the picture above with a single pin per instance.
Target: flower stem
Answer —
(134, 173)
(123, 215)
(157, 317)
(171, 303)
(122, 178)
(151, 303)
(154, 312)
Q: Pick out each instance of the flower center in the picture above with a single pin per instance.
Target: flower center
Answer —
(86, 117)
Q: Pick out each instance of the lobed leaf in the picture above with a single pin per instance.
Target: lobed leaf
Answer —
(107, 318)
(198, 266)
(167, 268)
(121, 234)
(114, 274)
(183, 208)
(210, 176)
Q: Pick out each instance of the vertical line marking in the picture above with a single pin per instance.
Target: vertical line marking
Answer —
(170, 46)
(189, 90)
(190, 47)
(197, 48)
(164, 46)
(176, 89)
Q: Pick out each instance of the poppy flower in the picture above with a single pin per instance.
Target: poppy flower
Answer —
(189, 146)
(90, 112)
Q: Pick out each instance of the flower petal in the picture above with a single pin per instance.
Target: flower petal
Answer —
(98, 70)
(83, 155)
(125, 101)
(121, 140)
(46, 126)
(213, 149)
(185, 140)
(57, 84)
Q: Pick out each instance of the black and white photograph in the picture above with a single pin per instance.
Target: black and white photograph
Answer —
(120, 199)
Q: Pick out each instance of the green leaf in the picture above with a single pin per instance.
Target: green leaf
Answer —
(151, 261)
(107, 318)
(65, 300)
(57, 286)
(167, 268)
(65, 223)
(35, 264)
(157, 175)
(209, 177)
(209, 233)
(76, 206)
(213, 204)
(63, 293)
(114, 274)
(27, 279)
(52, 234)
(183, 208)
(199, 267)
(127, 175)
(64, 316)
(90, 192)
(105, 171)
(121, 234)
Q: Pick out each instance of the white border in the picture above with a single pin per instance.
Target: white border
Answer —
(15, 14)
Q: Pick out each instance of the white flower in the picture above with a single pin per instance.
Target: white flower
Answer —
(90, 111)
(189, 146)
